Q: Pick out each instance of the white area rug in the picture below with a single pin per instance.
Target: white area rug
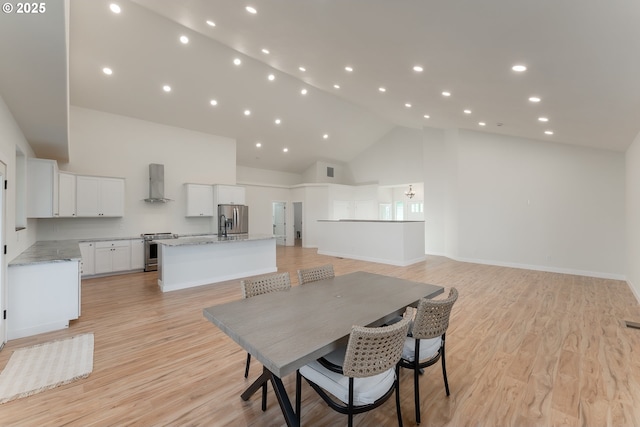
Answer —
(31, 370)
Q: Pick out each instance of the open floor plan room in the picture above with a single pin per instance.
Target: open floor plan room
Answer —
(523, 348)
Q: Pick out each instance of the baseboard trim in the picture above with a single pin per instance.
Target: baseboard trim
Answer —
(633, 290)
(597, 274)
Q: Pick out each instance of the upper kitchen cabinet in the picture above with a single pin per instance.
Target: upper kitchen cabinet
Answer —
(199, 200)
(228, 195)
(42, 188)
(66, 194)
(99, 196)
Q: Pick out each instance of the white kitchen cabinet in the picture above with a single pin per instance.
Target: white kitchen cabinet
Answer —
(66, 194)
(88, 253)
(112, 256)
(137, 254)
(228, 195)
(199, 200)
(42, 297)
(99, 196)
(42, 188)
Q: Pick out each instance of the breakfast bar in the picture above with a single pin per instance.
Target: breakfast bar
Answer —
(194, 261)
(399, 243)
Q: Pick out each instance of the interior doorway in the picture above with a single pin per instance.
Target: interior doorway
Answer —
(297, 223)
(280, 222)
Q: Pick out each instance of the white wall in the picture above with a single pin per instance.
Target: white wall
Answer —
(11, 137)
(633, 216)
(396, 159)
(539, 205)
(111, 145)
(260, 199)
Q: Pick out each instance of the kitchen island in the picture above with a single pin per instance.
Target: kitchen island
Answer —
(398, 243)
(186, 262)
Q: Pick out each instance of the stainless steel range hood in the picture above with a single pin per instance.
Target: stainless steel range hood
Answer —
(156, 184)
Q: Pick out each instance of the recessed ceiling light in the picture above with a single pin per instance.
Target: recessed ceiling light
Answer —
(237, 61)
(271, 77)
(184, 39)
(252, 10)
(213, 102)
(382, 89)
(266, 51)
(543, 119)
(166, 88)
(303, 92)
(426, 116)
(445, 93)
(115, 8)
(285, 149)
(258, 144)
(482, 123)
(336, 86)
(548, 132)
(108, 71)
(467, 111)
(325, 136)
(302, 69)
(247, 112)
(418, 68)
(407, 105)
(211, 23)
(348, 69)
(534, 99)
(277, 121)
(519, 68)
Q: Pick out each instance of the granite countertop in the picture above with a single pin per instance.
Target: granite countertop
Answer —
(213, 239)
(49, 251)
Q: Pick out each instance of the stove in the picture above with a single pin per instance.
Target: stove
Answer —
(151, 249)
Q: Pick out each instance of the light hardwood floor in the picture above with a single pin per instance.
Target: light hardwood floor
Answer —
(524, 348)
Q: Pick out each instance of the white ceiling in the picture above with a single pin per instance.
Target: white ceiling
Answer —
(582, 58)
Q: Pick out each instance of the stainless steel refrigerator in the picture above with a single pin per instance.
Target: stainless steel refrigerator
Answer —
(233, 219)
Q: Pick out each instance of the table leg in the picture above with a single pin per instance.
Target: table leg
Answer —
(280, 392)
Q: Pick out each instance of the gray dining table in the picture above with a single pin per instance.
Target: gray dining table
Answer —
(285, 330)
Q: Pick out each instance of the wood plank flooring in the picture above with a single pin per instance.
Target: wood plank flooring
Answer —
(524, 348)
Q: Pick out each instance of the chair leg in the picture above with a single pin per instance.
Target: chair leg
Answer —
(246, 369)
(416, 388)
(264, 397)
(397, 385)
(298, 394)
(444, 371)
(350, 404)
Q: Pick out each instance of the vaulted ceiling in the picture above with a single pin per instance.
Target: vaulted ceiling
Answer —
(365, 66)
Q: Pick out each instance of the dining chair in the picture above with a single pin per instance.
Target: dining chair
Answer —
(258, 286)
(306, 275)
(426, 341)
(361, 376)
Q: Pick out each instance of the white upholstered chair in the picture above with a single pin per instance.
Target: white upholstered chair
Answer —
(360, 377)
(258, 286)
(426, 343)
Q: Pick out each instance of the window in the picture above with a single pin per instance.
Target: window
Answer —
(385, 211)
(399, 211)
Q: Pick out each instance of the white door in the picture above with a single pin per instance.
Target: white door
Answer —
(279, 222)
(3, 269)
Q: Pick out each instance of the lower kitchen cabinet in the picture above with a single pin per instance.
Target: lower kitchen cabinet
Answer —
(137, 254)
(42, 297)
(112, 256)
(88, 253)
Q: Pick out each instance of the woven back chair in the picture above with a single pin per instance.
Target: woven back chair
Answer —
(427, 341)
(265, 284)
(258, 286)
(313, 274)
(367, 376)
